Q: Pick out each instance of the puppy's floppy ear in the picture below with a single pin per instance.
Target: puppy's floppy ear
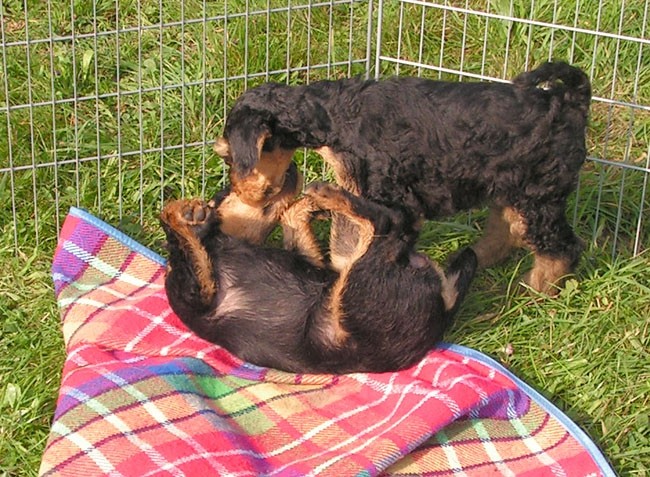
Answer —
(246, 131)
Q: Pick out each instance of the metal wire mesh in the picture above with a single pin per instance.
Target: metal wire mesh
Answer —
(495, 40)
(113, 105)
(107, 104)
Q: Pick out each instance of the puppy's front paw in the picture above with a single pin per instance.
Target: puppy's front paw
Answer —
(181, 215)
(195, 212)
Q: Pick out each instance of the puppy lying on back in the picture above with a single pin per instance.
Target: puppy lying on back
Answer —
(383, 308)
(434, 148)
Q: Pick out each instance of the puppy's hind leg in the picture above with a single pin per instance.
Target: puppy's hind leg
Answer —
(352, 225)
(328, 197)
(555, 246)
(298, 236)
(190, 268)
(540, 228)
(356, 221)
(503, 232)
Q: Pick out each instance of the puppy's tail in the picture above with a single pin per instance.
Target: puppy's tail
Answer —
(559, 78)
(458, 277)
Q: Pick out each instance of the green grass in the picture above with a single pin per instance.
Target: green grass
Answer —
(586, 350)
(31, 357)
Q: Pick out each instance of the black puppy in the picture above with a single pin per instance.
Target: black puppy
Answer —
(434, 148)
(383, 309)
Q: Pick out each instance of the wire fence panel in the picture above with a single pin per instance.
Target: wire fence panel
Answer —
(494, 40)
(113, 105)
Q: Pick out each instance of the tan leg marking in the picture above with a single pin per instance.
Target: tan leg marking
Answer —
(297, 232)
(341, 174)
(505, 230)
(517, 227)
(344, 241)
(174, 215)
(547, 274)
(330, 197)
(449, 291)
(344, 233)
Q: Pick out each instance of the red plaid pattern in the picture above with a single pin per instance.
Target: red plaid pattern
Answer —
(143, 396)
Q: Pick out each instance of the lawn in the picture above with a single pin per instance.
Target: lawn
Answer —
(114, 105)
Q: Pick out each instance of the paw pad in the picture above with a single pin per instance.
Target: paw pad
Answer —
(195, 212)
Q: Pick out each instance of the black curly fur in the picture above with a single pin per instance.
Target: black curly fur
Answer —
(437, 147)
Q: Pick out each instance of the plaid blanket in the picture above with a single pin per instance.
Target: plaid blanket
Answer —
(142, 396)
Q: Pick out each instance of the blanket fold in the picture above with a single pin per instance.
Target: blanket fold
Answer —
(143, 396)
